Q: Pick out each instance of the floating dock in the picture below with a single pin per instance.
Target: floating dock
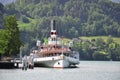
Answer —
(8, 65)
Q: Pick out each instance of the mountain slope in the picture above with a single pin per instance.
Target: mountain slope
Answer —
(74, 18)
(81, 17)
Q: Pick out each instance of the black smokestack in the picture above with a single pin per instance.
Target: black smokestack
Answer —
(53, 25)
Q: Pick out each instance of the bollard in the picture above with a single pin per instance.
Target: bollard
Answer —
(31, 61)
(24, 63)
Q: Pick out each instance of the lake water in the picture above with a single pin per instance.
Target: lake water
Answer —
(87, 70)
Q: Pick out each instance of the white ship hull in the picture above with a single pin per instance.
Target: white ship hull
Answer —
(55, 61)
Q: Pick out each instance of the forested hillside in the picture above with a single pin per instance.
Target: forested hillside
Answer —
(74, 18)
(82, 17)
(1, 15)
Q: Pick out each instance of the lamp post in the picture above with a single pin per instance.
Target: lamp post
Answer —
(38, 44)
(21, 48)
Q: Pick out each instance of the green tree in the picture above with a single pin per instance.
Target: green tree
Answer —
(100, 44)
(110, 39)
(3, 41)
(14, 41)
(24, 19)
(100, 55)
(116, 53)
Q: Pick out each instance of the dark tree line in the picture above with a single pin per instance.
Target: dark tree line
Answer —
(98, 49)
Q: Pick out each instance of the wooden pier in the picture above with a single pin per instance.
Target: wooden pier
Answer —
(8, 65)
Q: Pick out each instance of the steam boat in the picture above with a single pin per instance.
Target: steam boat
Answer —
(55, 54)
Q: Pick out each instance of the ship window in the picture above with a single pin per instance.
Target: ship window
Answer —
(58, 63)
(52, 58)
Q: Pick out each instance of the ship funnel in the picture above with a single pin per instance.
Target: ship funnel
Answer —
(53, 26)
(53, 39)
(53, 29)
